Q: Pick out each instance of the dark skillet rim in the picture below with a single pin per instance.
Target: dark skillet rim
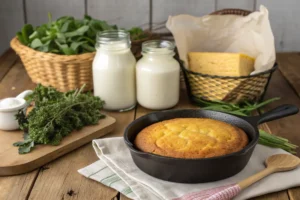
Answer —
(243, 151)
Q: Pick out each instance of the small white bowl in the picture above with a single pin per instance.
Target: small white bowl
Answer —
(7, 114)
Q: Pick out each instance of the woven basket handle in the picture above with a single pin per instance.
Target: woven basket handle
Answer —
(231, 12)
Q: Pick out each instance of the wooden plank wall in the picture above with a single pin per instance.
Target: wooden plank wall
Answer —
(285, 23)
(125, 14)
(14, 13)
(37, 10)
(11, 20)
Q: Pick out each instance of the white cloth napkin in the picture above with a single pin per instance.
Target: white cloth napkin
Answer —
(117, 170)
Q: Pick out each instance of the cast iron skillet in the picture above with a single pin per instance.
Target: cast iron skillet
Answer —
(205, 169)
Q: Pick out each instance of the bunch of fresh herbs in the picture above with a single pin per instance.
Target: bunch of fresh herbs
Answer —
(67, 35)
(137, 33)
(55, 115)
(246, 109)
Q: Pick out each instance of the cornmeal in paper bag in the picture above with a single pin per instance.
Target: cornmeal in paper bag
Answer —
(250, 35)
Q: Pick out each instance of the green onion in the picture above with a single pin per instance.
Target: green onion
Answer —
(276, 141)
(245, 109)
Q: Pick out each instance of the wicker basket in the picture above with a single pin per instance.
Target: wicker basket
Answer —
(63, 72)
(60, 71)
(224, 88)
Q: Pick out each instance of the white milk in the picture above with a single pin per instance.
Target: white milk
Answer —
(157, 75)
(114, 71)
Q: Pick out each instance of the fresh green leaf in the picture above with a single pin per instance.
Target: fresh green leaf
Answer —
(65, 26)
(27, 30)
(65, 49)
(68, 51)
(36, 43)
(41, 30)
(22, 120)
(20, 38)
(26, 148)
(104, 25)
(61, 38)
(136, 33)
(87, 17)
(84, 38)
(75, 45)
(88, 48)
(21, 143)
(63, 19)
(77, 32)
(33, 35)
(54, 51)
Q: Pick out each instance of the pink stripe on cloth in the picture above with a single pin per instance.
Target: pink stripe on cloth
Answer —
(226, 194)
(220, 193)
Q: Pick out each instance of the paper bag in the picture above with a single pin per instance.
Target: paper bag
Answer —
(251, 35)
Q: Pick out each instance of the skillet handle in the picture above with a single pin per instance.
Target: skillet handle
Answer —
(277, 113)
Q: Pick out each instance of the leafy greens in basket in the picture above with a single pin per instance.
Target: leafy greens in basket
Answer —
(68, 36)
(55, 115)
(245, 109)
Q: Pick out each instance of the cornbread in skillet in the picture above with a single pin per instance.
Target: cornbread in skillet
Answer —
(191, 138)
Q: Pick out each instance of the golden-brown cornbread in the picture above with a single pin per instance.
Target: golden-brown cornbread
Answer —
(191, 138)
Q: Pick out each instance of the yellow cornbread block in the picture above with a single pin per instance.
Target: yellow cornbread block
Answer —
(221, 64)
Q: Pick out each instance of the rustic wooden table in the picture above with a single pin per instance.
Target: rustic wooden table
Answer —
(60, 179)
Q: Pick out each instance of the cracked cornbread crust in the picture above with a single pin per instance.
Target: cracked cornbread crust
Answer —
(191, 138)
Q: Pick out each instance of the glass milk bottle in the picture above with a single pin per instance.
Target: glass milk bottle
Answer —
(157, 75)
(114, 71)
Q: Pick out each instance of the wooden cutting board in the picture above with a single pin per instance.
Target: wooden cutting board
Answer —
(11, 162)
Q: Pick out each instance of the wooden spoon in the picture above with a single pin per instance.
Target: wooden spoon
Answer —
(275, 163)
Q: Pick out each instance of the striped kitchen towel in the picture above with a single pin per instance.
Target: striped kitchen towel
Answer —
(117, 170)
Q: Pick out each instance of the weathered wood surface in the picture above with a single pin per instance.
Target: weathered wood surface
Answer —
(60, 179)
(123, 197)
(283, 195)
(289, 65)
(6, 62)
(294, 193)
